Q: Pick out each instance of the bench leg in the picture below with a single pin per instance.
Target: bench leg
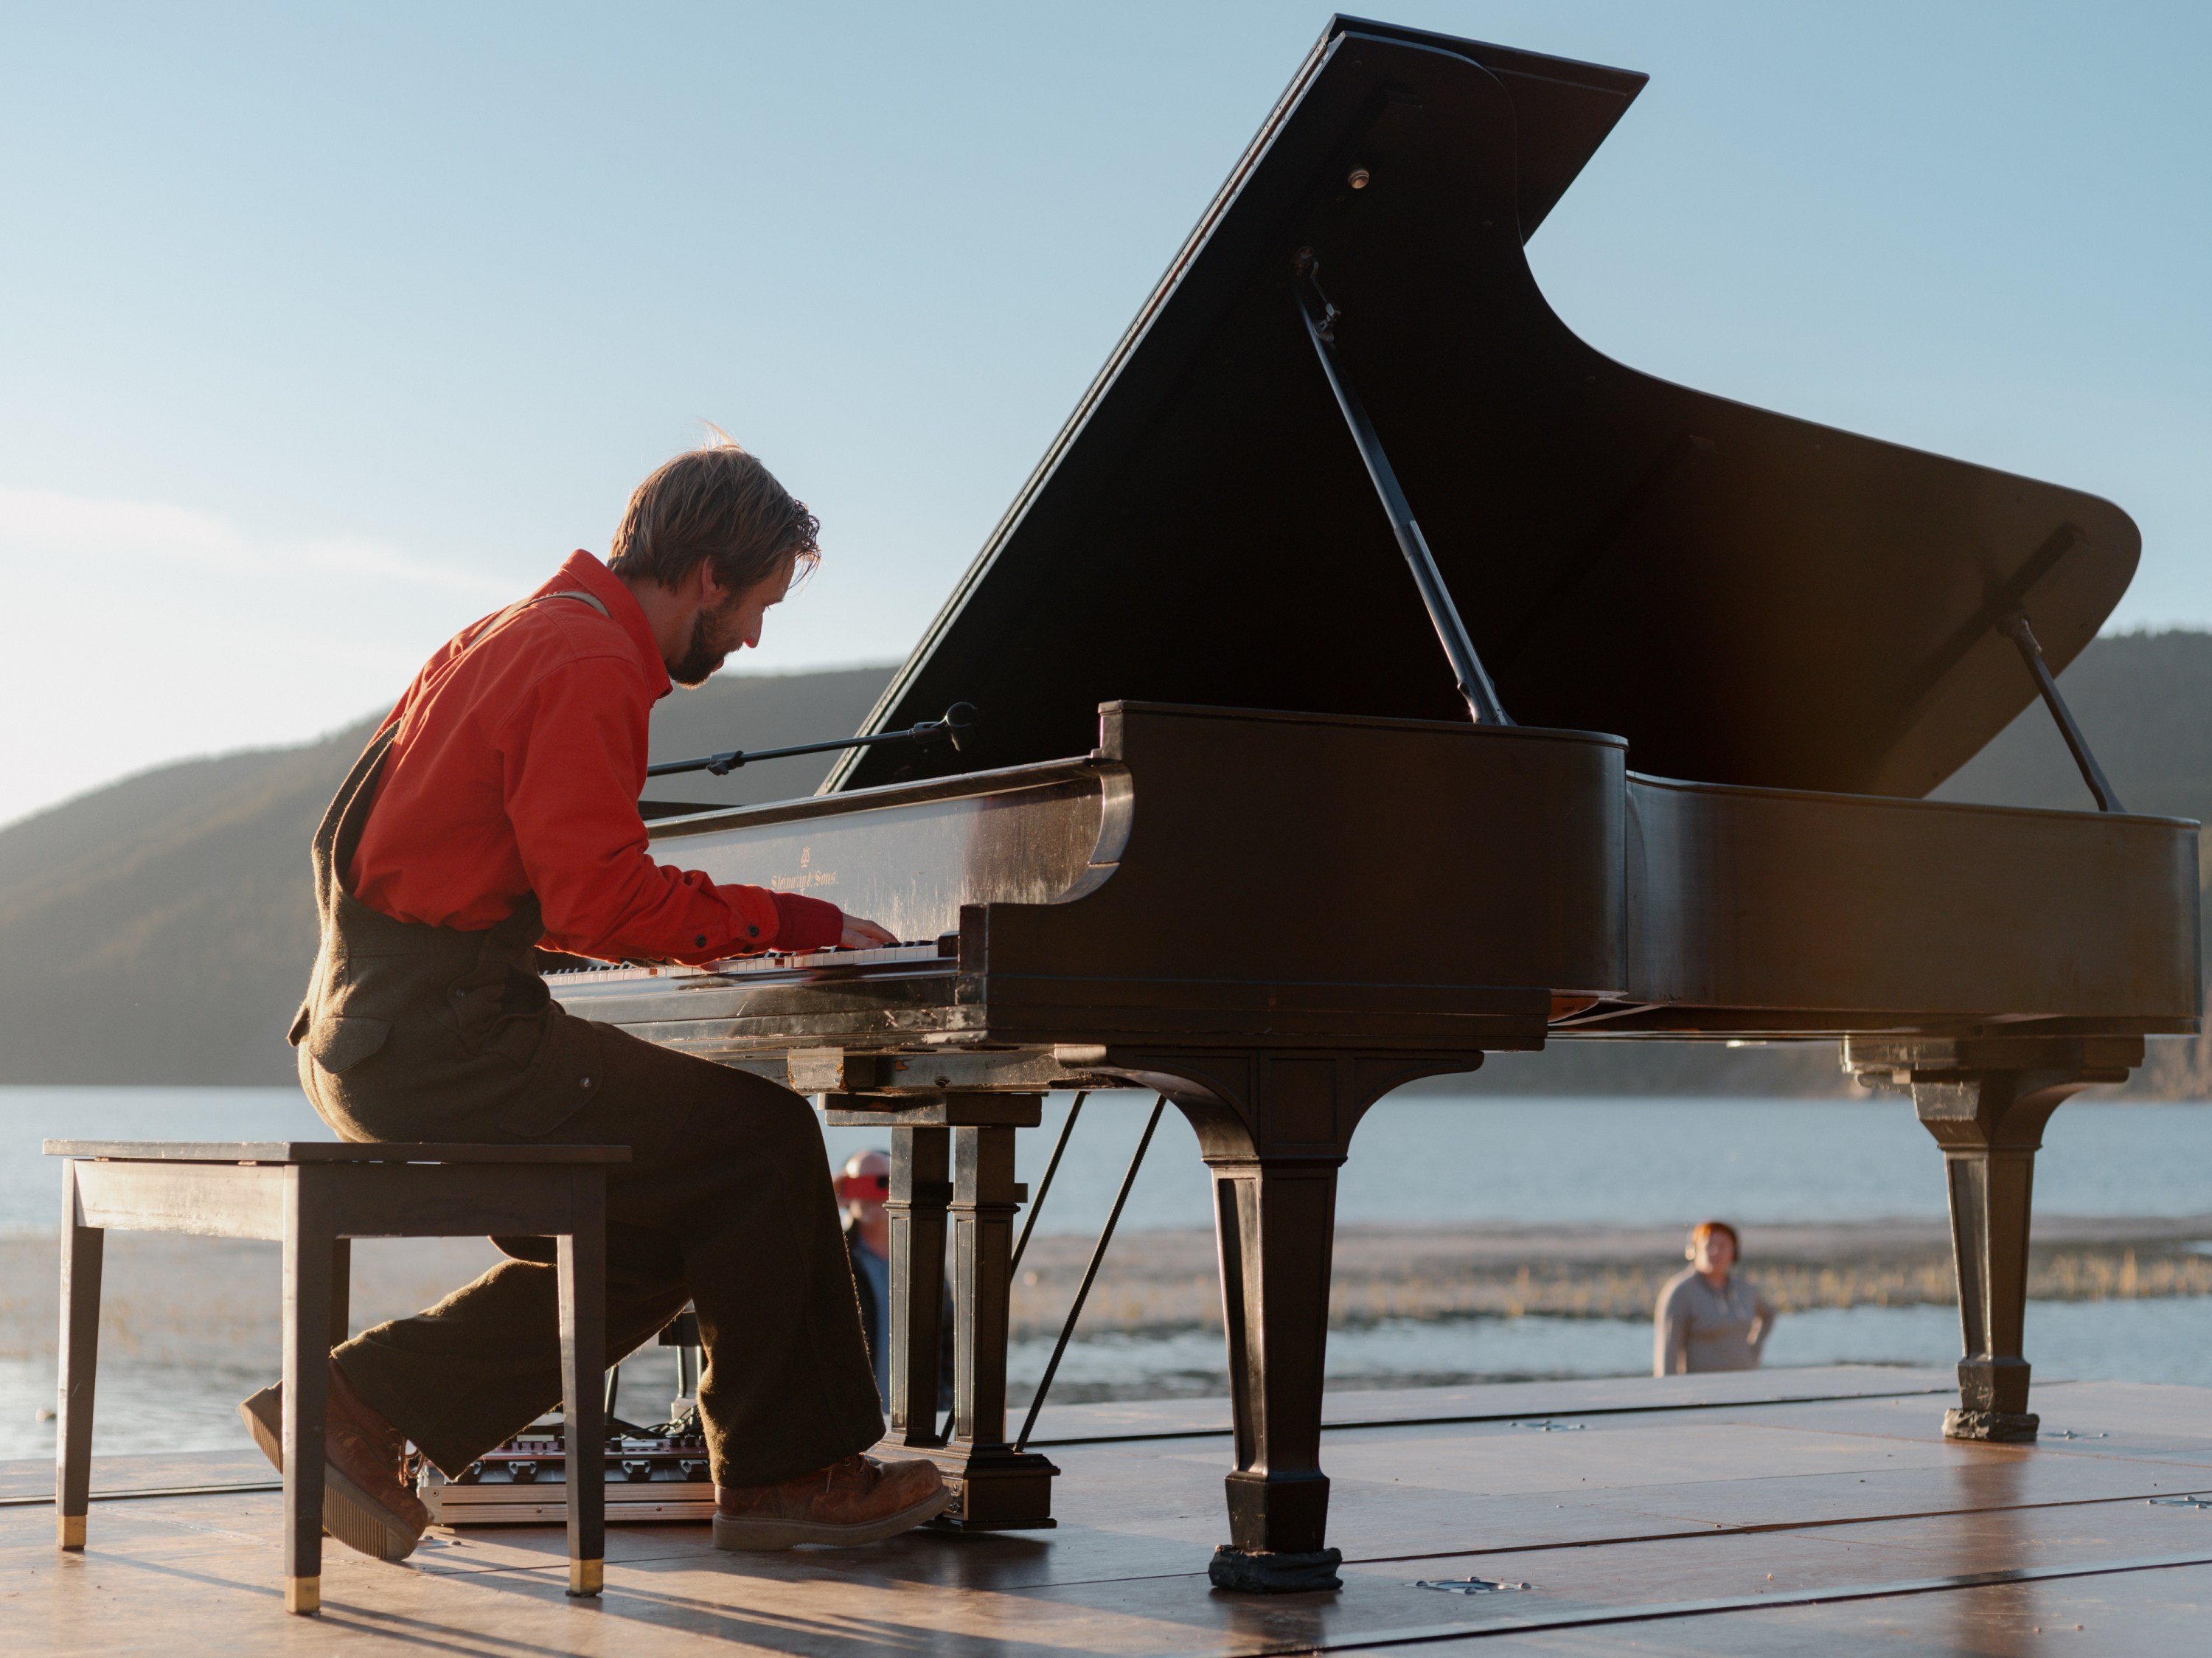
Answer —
(583, 1276)
(310, 1255)
(82, 1247)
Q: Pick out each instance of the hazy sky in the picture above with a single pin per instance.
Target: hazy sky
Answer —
(324, 330)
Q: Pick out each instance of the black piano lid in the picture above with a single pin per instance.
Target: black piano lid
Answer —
(1747, 598)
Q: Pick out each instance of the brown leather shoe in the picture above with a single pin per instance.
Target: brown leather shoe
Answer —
(368, 1502)
(859, 1500)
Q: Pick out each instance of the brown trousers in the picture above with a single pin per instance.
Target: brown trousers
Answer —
(727, 1204)
(411, 1032)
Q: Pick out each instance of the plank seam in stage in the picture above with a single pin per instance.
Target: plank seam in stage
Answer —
(645, 1557)
(1226, 1429)
(1718, 1529)
(1223, 1432)
(46, 1498)
(1665, 1610)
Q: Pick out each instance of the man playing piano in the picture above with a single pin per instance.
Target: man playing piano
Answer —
(495, 812)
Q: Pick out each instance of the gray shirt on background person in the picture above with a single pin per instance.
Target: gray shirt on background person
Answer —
(1698, 1327)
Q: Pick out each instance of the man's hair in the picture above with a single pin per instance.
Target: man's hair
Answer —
(1704, 1229)
(716, 503)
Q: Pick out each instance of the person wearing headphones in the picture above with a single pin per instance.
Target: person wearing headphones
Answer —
(1708, 1318)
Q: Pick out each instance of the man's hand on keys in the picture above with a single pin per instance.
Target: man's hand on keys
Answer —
(864, 935)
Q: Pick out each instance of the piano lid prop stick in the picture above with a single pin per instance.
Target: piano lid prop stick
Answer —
(1321, 318)
(959, 720)
(1044, 1186)
(1082, 1290)
(2031, 652)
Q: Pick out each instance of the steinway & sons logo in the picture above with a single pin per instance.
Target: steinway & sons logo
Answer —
(807, 878)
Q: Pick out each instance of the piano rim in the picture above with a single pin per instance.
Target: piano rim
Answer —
(1614, 1021)
(1090, 768)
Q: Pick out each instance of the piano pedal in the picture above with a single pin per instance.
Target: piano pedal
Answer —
(995, 1490)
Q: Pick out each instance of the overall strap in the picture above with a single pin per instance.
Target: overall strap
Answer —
(343, 824)
(591, 598)
(340, 830)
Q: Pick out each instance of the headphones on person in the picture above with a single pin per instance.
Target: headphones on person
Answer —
(1735, 1244)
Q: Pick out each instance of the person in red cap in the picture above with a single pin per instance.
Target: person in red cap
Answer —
(494, 814)
(865, 1188)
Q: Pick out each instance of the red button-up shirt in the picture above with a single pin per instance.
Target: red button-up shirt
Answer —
(515, 769)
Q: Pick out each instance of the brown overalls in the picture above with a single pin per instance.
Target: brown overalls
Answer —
(411, 1032)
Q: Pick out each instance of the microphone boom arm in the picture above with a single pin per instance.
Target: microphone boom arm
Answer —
(958, 721)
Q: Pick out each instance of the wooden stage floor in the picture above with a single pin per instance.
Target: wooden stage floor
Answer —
(1810, 1511)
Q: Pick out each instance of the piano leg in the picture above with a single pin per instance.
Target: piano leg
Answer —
(1274, 1127)
(916, 1210)
(971, 1137)
(1275, 1221)
(1987, 1116)
(1000, 1488)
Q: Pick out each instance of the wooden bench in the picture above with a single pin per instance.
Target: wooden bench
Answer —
(314, 1197)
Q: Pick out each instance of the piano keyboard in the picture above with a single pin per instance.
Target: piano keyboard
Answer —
(771, 962)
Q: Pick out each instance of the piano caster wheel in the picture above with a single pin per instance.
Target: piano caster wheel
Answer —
(1266, 1572)
(1999, 1425)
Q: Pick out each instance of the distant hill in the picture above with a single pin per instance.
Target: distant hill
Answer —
(158, 931)
(2144, 701)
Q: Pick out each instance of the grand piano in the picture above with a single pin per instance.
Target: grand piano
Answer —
(1284, 797)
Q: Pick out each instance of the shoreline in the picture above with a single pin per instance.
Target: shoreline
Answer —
(208, 1302)
(1165, 1280)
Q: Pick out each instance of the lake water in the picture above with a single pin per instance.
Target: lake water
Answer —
(1431, 1158)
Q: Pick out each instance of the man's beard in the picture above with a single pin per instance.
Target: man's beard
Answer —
(702, 660)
